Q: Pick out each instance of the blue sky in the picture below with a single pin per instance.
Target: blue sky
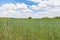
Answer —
(26, 2)
(18, 1)
(27, 8)
(5, 1)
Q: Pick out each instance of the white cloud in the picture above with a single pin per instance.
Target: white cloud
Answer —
(35, 0)
(41, 4)
(53, 2)
(22, 10)
(38, 7)
(56, 2)
(22, 6)
(42, 1)
(52, 10)
(14, 10)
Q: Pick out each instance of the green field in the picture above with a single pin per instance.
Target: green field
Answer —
(29, 29)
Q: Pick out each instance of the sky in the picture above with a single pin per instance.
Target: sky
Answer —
(29, 8)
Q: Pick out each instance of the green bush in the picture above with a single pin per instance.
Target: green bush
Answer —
(30, 18)
(57, 17)
(45, 18)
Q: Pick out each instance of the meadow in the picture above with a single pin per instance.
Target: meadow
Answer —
(29, 29)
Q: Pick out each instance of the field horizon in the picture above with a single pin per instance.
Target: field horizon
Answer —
(29, 29)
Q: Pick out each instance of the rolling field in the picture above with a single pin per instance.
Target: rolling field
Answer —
(29, 29)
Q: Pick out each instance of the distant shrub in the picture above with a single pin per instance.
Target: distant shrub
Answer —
(57, 17)
(29, 17)
(45, 18)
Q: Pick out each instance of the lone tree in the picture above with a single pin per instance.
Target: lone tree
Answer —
(29, 17)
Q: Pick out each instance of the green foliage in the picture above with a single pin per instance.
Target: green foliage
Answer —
(24, 29)
(45, 18)
(57, 17)
(29, 17)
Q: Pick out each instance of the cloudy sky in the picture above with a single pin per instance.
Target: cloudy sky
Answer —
(29, 8)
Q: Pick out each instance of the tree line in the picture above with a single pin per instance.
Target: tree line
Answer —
(57, 17)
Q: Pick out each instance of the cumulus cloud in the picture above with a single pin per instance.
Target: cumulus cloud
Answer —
(42, 4)
(18, 10)
(21, 10)
(35, 0)
(14, 10)
(51, 7)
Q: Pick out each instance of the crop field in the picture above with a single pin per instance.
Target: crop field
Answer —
(29, 29)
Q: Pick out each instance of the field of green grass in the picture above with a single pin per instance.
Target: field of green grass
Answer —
(29, 29)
